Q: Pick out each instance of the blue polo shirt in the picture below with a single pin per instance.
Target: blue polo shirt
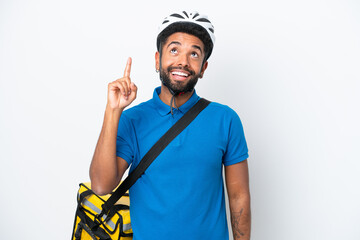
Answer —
(181, 194)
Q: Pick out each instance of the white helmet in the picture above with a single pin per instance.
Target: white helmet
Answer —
(187, 17)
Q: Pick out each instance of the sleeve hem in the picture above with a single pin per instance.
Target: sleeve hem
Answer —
(237, 160)
(125, 157)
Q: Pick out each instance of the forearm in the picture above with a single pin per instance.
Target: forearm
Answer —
(104, 173)
(241, 217)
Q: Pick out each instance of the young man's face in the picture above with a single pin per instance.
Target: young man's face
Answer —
(181, 61)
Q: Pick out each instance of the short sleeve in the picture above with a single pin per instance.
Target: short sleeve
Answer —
(124, 140)
(236, 150)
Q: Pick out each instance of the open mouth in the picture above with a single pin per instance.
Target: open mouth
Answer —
(180, 74)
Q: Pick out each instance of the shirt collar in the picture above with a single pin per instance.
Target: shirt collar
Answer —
(164, 109)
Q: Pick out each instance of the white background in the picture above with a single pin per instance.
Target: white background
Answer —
(289, 68)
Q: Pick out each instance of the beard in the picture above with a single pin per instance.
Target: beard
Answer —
(177, 87)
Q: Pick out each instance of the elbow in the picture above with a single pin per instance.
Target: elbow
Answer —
(100, 189)
(239, 200)
(239, 196)
(101, 186)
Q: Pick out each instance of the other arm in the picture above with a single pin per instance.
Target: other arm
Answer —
(237, 184)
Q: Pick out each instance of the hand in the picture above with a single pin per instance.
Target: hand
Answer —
(122, 92)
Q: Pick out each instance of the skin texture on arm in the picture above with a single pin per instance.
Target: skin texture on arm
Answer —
(237, 184)
(106, 169)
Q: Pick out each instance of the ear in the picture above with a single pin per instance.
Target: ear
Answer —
(203, 69)
(157, 61)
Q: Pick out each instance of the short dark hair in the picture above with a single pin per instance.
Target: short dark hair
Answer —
(189, 28)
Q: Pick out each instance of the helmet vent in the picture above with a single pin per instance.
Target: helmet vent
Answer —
(177, 15)
(203, 20)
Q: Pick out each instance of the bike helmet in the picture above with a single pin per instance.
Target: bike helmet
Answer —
(188, 22)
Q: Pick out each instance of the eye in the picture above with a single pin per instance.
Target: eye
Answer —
(173, 51)
(195, 54)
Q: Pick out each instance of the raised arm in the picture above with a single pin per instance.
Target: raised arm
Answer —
(237, 184)
(106, 169)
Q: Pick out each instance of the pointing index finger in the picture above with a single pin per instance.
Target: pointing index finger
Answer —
(128, 68)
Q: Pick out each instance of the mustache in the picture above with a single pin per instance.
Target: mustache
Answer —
(181, 68)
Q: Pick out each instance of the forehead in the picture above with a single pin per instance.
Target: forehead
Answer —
(184, 39)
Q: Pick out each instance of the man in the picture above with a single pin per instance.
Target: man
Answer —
(181, 194)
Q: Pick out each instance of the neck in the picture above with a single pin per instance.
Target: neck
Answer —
(166, 96)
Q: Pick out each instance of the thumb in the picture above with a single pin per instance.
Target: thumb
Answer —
(133, 90)
(133, 87)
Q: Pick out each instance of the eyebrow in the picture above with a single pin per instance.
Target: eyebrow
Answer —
(178, 43)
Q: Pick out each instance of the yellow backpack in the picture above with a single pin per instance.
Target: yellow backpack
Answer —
(88, 226)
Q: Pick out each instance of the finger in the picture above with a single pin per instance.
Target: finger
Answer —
(128, 67)
(125, 79)
(116, 86)
(125, 88)
(124, 82)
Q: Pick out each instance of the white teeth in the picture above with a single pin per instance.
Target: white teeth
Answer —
(180, 74)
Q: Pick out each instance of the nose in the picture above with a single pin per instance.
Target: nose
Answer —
(183, 60)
